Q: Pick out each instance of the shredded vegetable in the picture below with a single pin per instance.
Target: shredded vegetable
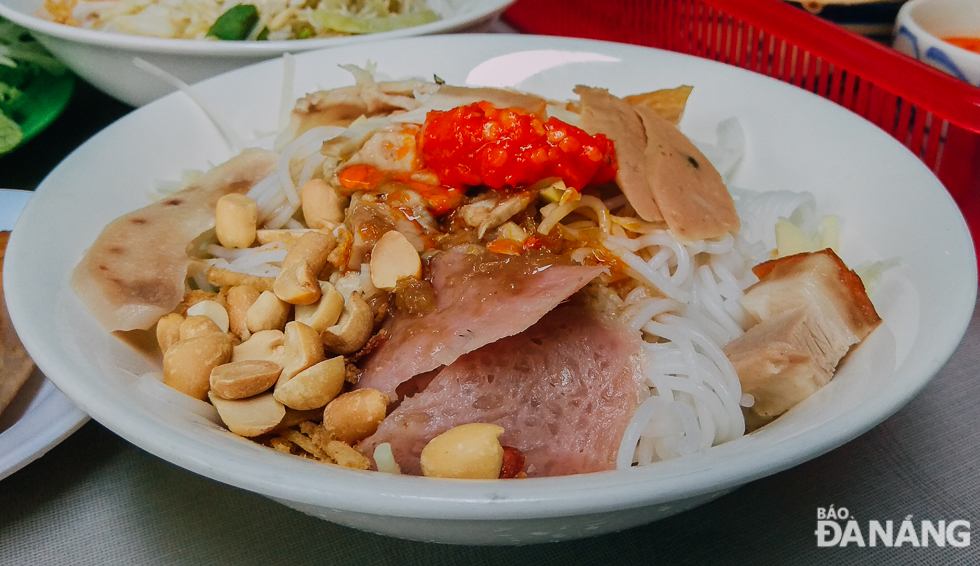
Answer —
(233, 20)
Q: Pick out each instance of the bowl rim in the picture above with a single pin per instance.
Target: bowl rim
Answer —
(429, 498)
(484, 9)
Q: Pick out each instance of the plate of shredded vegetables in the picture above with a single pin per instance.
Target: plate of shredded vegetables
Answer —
(34, 87)
(231, 20)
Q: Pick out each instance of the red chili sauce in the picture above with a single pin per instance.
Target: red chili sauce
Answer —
(506, 148)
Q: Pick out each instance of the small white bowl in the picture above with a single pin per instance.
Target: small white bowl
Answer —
(106, 59)
(921, 26)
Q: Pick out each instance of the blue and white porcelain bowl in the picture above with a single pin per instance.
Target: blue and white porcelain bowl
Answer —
(922, 25)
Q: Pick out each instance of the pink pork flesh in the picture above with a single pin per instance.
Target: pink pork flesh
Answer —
(564, 391)
(480, 298)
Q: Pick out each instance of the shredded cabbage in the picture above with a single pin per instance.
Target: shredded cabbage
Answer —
(277, 19)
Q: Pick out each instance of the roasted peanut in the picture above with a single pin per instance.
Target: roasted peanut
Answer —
(269, 345)
(238, 380)
(224, 278)
(198, 325)
(392, 258)
(312, 248)
(323, 206)
(325, 312)
(297, 284)
(239, 299)
(268, 312)
(213, 310)
(313, 387)
(168, 330)
(249, 417)
(235, 219)
(195, 296)
(306, 259)
(303, 350)
(286, 236)
(469, 451)
(187, 364)
(355, 415)
(353, 329)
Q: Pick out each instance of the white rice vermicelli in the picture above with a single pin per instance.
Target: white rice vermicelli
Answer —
(688, 308)
(695, 396)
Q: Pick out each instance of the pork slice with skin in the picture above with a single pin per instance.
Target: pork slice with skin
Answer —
(812, 310)
(818, 278)
(783, 360)
(480, 298)
(563, 390)
(135, 271)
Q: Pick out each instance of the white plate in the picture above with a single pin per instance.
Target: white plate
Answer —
(39, 417)
(106, 59)
(890, 205)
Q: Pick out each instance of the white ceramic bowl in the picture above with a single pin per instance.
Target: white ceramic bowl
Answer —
(794, 141)
(106, 59)
(921, 26)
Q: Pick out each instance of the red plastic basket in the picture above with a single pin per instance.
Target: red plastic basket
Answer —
(934, 115)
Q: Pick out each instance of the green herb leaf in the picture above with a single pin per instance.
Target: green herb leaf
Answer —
(10, 134)
(236, 23)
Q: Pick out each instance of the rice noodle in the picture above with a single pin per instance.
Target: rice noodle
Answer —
(687, 307)
(305, 145)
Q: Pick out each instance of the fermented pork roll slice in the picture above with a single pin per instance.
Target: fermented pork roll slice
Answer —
(135, 271)
(664, 176)
(563, 390)
(480, 298)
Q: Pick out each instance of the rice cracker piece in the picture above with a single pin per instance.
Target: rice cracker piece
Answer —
(15, 365)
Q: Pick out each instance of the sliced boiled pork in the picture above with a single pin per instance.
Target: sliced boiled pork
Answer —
(563, 390)
(480, 298)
